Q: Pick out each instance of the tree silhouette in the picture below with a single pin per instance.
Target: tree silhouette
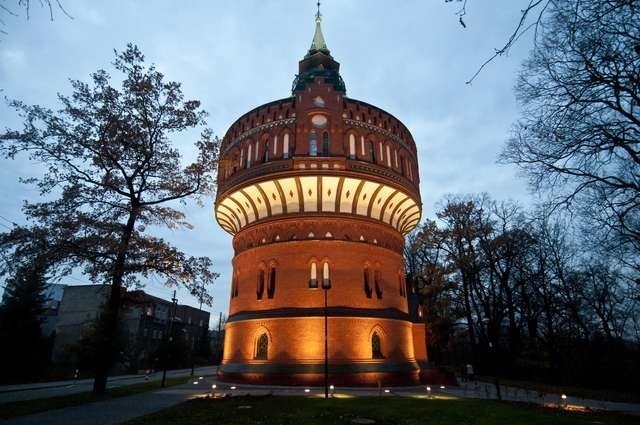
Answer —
(113, 176)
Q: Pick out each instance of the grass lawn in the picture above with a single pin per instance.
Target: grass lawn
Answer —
(385, 411)
(27, 407)
(590, 393)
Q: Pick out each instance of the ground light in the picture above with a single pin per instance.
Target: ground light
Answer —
(306, 390)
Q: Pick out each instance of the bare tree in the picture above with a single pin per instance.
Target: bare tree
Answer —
(579, 135)
(531, 19)
(24, 6)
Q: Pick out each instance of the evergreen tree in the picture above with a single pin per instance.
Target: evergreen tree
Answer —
(25, 350)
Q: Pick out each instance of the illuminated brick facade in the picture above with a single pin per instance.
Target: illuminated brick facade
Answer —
(318, 188)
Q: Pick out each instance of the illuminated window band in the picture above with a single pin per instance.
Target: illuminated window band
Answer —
(313, 194)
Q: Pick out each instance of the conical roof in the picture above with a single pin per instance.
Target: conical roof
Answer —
(318, 63)
(318, 43)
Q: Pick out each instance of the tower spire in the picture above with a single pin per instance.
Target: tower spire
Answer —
(318, 43)
(318, 64)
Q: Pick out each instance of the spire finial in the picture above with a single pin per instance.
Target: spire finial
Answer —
(318, 42)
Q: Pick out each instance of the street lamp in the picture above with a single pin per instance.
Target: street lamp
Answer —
(326, 285)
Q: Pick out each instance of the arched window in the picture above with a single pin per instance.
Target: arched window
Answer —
(352, 146)
(326, 280)
(262, 347)
(325, 144)
(313, 144)
(285, 146)
(234, 286)
(265, 154)
(402, 165)
(388, 156)
(249, 156)
(377, 284)
(275, 147)
(313, 276)
(376, 346)
(271, 287)
(260, 285)
(257, 150)
(372, 152)
(241, 163)
(365, 280)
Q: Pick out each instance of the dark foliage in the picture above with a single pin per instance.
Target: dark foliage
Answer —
(113, 175)
(525, 296)
(25, 352)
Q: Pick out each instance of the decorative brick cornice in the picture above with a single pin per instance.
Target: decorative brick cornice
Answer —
(258, 129)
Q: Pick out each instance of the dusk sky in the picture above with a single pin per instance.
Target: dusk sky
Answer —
(410, 58)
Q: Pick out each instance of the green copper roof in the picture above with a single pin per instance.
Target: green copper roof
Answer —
(318, 43)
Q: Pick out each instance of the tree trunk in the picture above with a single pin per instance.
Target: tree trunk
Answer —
(105, 360)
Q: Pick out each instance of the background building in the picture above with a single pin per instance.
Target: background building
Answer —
(318, 190)
(145, 321)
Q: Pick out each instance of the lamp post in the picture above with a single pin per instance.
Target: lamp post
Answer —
(168, 337)
(326, 285)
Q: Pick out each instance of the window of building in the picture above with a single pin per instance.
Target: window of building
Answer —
(367, 284)
(271, 287)
(260, 286)
(352, 146)
(376, 346)
(313, 276)
(402, 165)
(285, 146)
(372, 152)
(262, 347)
(326, 280)
(313, 144)
(325, 144)
(377, 284)
(388, 156)
(249, 156)
(401, 287)
(265, 155)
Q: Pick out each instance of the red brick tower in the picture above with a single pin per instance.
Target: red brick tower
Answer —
(318, 190)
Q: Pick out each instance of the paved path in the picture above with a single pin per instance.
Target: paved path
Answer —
(116, 410)
(9, 393)
(120, 410)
